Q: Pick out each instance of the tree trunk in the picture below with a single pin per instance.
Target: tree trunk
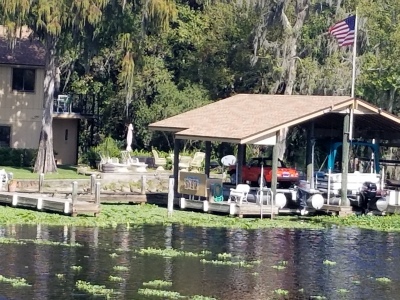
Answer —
(390, 105)
(45, 162)
(293, 34)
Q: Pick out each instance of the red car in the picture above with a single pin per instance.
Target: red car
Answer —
(252, 173)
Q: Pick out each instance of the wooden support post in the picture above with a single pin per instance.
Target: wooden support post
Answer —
(74, 193)
(244, 159)
(92, 183)
(143, 185)
(275, 152)
(239, 163)
(309, 153)
(171, 195)
(97, 194)
(176, 165)
(272, 204)
(207, 159)
(41, 180)
(345, 159)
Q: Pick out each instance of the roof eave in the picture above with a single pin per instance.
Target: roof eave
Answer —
(261, 135)
(17, 65)
(165, 128)
(379, 111)
(207, 138)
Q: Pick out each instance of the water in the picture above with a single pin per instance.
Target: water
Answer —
(361, 256)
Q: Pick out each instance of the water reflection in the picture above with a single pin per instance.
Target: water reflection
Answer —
(361, 256)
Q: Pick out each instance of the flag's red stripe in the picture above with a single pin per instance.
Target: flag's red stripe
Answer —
(341, 31)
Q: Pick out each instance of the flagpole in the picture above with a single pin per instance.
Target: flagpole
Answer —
(353, 79)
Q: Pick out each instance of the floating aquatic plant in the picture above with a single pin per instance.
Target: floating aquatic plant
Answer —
(120, 268)
(60, 276)
(139, 215)
(380, 223)
(115, 278)
(383, 279)
(122, 250)
(281, 265)
(4, 240)
(200, 297)
(169, 252)
(281, 292)
(329, 262)
(15, 282)
(76, 268)
(158, 284)
(160, 293)
(317, 297)
(243, 264)
(343, 291)
(50, 243)
(113, 255)
(93, 289)
(224, 255)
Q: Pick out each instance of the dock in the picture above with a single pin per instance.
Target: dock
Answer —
(51, 204)
(338, 209)
(69, 206)
(233, 208)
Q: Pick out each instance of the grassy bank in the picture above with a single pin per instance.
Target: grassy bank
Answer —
(136, 215)
(63, 172)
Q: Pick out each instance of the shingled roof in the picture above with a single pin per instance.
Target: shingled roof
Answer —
(25, 52)
(250, 118)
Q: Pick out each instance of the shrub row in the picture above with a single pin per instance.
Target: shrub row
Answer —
(17, 157)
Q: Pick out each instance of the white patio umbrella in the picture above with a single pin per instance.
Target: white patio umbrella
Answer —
(129, 138)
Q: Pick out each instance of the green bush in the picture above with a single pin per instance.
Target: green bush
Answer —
(90, 157)
(141, 152)
(108, 147)
(17, 157)
(169, 165)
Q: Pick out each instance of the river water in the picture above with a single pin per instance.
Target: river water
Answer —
(335, 263)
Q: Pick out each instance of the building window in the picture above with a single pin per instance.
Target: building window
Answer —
(23, 80)
(5, 132)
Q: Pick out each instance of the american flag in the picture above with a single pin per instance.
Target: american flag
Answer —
(344, 31)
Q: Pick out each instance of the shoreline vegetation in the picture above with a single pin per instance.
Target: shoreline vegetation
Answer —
(139, 215)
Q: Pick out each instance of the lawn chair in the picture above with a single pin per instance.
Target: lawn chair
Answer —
(171, 157)
(239, 194)
(197, 162)
(63, 104)
(3, 180)
(184, 163)
(133, 163)
(125, 157)
(160, 162)
(136, 165)
(103, 160)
